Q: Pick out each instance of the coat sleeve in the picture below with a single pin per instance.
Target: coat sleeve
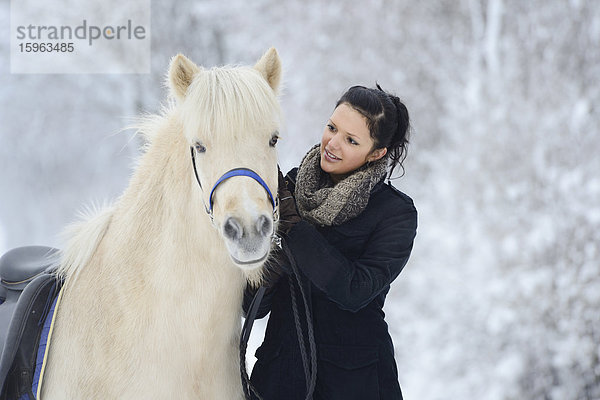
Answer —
(353, 284)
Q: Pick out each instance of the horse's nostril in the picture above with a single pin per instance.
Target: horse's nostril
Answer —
(264, 226)
(233, 229)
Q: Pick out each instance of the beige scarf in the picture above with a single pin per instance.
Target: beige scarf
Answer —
(321, 202)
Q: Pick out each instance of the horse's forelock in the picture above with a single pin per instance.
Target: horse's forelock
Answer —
(230, 99)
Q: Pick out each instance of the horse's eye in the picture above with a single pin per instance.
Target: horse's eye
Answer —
(273, 140)
(199, 147)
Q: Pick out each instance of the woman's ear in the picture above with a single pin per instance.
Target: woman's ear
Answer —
(377, 154)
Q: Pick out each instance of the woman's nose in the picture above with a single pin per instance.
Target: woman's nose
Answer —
(333, 141)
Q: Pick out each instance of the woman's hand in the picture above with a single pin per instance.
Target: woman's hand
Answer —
(288, 215)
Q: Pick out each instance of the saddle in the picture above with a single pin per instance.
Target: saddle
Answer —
(28, 293)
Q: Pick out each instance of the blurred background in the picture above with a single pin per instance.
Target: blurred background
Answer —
(501, 297)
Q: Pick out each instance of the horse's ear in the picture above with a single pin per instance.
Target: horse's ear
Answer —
(181, 74)
(269, 66)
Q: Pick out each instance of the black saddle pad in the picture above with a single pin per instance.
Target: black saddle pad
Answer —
(25, 343)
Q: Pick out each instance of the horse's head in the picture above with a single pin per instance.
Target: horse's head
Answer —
(231, 117)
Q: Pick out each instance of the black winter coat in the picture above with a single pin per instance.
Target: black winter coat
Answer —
(347, 271)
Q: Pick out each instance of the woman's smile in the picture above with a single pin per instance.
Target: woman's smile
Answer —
(331, 157)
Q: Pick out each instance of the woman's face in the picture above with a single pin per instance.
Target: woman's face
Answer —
(346, 143)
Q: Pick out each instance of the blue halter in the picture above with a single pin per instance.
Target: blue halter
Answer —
(241, 172)
(230, 174)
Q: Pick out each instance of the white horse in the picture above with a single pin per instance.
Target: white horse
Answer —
(151, 307)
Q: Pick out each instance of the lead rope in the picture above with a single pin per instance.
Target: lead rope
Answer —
(246, 329)
(310, 372)
(299, 332)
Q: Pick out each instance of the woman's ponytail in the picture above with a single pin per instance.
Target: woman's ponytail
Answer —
(398, 147)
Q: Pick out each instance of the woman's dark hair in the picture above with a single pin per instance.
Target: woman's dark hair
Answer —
(387, 120)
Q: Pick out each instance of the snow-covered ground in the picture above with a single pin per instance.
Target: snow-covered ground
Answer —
(501, 297)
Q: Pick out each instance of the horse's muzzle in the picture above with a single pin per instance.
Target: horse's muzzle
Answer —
(234, 230)
(248, 243)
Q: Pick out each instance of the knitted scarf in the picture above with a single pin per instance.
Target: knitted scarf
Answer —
(321, 202)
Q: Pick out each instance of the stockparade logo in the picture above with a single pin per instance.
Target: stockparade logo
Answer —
(94, 36)
(85, 31)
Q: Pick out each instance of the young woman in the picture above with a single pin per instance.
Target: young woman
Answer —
(350, 238)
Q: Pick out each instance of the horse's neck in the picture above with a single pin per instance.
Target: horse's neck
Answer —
(160, 225)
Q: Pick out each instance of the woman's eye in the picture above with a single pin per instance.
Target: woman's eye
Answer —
(331, 128)
(352, 141)
(200, 148)
(273, 141)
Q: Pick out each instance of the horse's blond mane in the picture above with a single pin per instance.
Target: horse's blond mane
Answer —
(83, 238)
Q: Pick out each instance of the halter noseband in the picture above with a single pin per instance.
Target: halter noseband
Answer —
(230, 174)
